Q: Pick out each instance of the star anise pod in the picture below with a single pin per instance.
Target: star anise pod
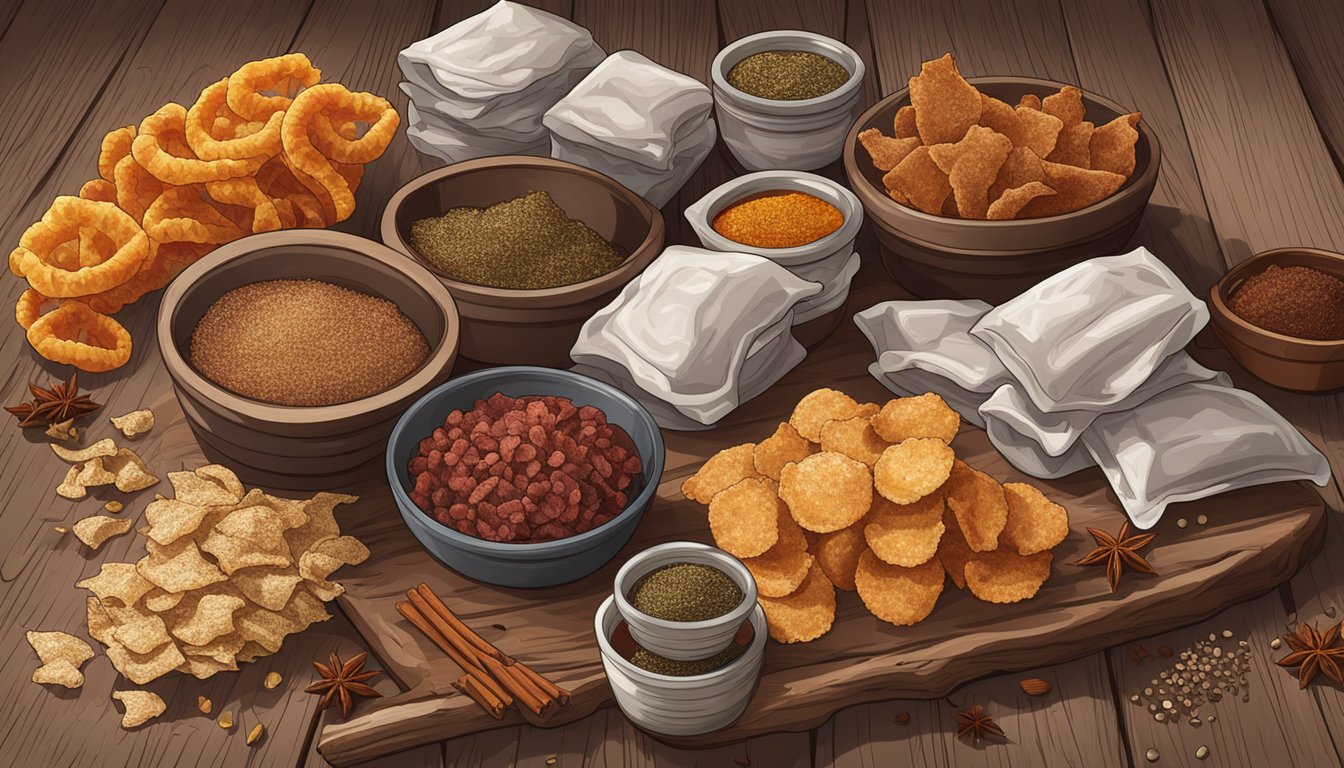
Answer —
(1117, 552)
(342, 681)
(53, 404)
(1314, 652)
(976, 725)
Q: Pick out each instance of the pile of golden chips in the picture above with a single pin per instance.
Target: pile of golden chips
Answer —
(872, 499)
(228, 575)
(246, 157)
(958, 152)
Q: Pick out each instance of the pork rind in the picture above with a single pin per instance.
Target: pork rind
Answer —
(141, 707)
(897, 595)
(743, 518)
(61, 655)
(826, 491)
(1007, 577)
(927, 415)
(913, 469)
(785, 446)
(804, 615)
(905, 534)
(724, 469)
(978, 502)
(1035, 523)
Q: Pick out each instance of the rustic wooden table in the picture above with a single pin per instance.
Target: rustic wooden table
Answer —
(1247, 97)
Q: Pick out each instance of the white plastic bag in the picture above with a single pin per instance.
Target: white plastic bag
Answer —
(655, 185)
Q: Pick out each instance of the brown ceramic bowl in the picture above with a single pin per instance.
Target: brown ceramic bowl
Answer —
(1284, 361)
(303, 448)
(944, 257)
(529, 327)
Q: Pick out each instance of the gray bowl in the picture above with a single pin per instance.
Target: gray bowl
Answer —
(542, 564)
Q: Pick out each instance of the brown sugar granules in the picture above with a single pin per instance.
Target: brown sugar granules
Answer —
(527, 243)
(1296, 301)
(305, 343)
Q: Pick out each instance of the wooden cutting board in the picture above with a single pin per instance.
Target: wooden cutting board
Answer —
(1255, 538)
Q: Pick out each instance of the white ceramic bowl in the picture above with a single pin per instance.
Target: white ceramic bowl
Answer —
(767, 133)
(681, 706)
(683, 640)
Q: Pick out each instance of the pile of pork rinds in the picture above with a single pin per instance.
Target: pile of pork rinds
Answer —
(958, 152)
(872, 499)
(247, 156)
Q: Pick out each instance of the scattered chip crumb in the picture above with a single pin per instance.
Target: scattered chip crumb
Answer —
(204, 704)
(272, 680)
(61, 655)
(254, 735)
(134, 423)
(104, 447)
(96, 530)
(114, 506)
(141, 707)
(65, 431)
(70, 487)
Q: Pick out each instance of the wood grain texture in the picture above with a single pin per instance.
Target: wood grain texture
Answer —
(1311, 31)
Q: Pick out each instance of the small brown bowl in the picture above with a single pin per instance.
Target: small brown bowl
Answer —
(529, 327)
(302, 448)
(945, 257)
(1304, 365)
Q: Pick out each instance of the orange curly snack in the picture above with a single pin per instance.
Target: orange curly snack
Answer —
(324, 101)
(897, 595)
(62, 223)
(104, 345)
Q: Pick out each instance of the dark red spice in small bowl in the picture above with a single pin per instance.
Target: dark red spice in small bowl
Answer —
(1298, 301)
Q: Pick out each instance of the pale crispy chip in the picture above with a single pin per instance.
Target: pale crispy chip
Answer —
(867, 410)
(63, 431)
(1007, 577)
(260, 525)
(141, 707)
(95, 530)
(854, 438)
(223, 477)
(160, 601)
(343, 550)
(194, 489)
(904, 123)
(818, 407)
(927, 415)
(1075, 188)
(725, 468)
(269, 628)
(886, 151)
(804, 615)
(269, 587)
(743, 518)
(142, 668)
(1014, 200)
(953, 551)
(134, 423)
(978, 502)
(320, 523)
(920, 182)
(838, 553)
(61, 655)
(1073, 146)
(251, 651)
(234, 554)
(104, 447)
(782, 568)
(177, 567)
(896, 595)
(120, 583)
(1040, 131)
(945, 104)
(93, 474)
(198, 622)
(100, 621)
(912, 469)
(170, 519)
(905, 534)
(982, 154)
(223, 649)
(59, 673)
(318, 563)
(1022, 167)
(1035, 523)
(827, 491)
(1112, 145)
(201, 667)
(1029, 101)
(138, 632)
(70, 487)
(785, 446)
(132, 474)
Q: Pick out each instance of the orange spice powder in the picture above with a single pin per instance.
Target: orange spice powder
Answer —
(783, 220)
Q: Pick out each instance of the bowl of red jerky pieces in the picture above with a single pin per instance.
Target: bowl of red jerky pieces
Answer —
(524, 477)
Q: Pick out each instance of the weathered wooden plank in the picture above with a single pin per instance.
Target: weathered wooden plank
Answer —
(428, 756)
(738, 20)
(1311, 31)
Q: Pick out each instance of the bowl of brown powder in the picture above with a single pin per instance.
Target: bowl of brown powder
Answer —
(293, 353)
(1281, 315)
(529, 248)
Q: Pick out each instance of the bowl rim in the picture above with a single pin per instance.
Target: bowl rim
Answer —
(639, 257)
(719, 75)
(700, 214)
(185, 374)
(736, 615)
(1132, 186)
(556, 546)
(605, 648)
(1244, 270)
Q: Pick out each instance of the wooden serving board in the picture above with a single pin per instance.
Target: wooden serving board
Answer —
(1255, 539)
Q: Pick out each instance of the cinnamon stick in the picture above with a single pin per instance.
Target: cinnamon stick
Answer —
(472, 686)
(560, 695)
(426, 625)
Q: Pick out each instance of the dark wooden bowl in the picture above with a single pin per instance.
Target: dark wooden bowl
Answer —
(529, 327)
(939, 257)
(1304, 365)
(302, 448)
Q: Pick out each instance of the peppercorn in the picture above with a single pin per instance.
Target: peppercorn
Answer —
(787, 75)
(685, 592)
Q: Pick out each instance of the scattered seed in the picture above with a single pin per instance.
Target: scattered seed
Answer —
(1195, 721)
(1202, 519)
(1212, 718)
(254, 735)
(1134, 698)
(1227, 633)
(204, 705)
(1182, 522)
(272, 680)
(1151, 755)
(902, 718)
(1160, 717)
(225, 720)
(550, 760)
(742, 761)
(1202, 752)
(61, 529)
(114, 506)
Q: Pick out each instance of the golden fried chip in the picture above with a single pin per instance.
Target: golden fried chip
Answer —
(63, 431)
(138, 632)
(58, 673)
(269, 587)
(1029, 101)
(170, 519)
(177, 567)
(161, 601)
(804, 615)
(838, 553)
(919, 181)
(886, 151)
(1007, 577)
(1073, 146)
(117, 584)
(1040, 130)
(981, 154)
(130, 470)
(999, 117)
(194, 489)
(1075, 189)
(202, 667)
(1112, 145)
(818, 407)
(198, 622)
(251, 651)
(100, 622)
(826, 491)
(96, 530)
(743, 518)
(725, 468)
(953, 551)
(785, 446)
(1022, 167)
(1067, 105)
(320, 523)
(854, 438)
(134, 423)
(905, 534)
(927, 415)
(234, 554)
(223, 649)
(226, 479)
(61, 655)
(70, 487)
(141, 668)
(291, 511)
(1035, 523)
(93, 474)
(945, 104)
(897, 595)
(912, 469)
(260, 525)
(978, 502)
(269, 628)
(1011, 201)
(782, 568)
(104, 447)
(904, 124)
(141, 707)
